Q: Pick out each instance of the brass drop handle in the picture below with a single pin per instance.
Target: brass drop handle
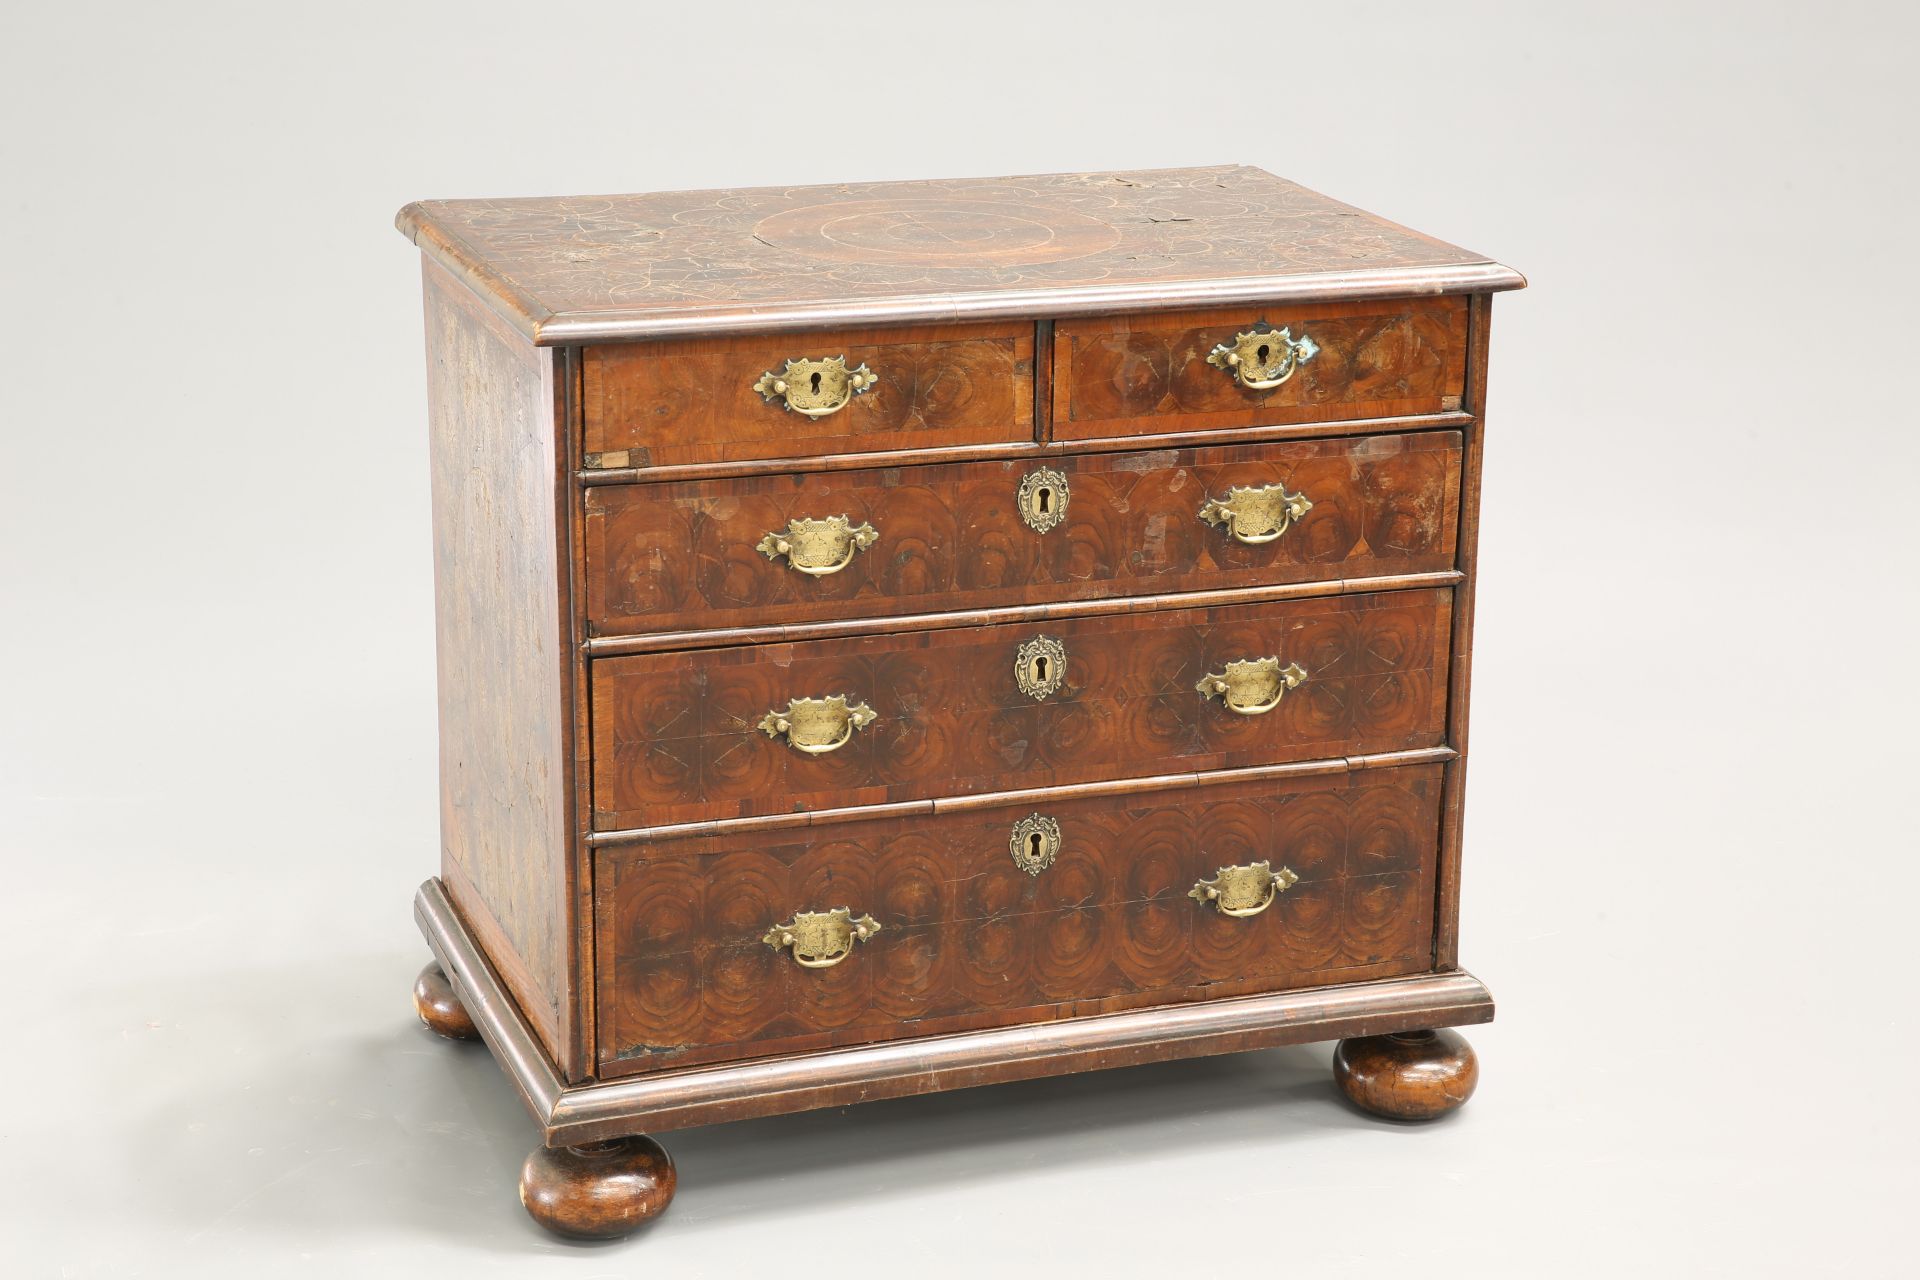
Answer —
(818, 725)
(816, 388)
(1252, 686)
(1262, 358)
(819, 547)
(1243, 891)
(821, 939)
(1256, 515)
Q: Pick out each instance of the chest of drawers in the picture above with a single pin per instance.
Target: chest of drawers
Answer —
(910, 636)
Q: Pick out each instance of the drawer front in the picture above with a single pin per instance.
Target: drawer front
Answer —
(720, 399)
(1159, 373)
(968, 938)
(984, 534)
(717, 733)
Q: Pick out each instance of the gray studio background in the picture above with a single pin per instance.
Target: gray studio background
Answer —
(1690, 872)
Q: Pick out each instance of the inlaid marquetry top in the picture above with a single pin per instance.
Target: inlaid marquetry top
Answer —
(590, 268)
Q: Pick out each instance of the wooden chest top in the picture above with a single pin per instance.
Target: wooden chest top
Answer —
(607, 268)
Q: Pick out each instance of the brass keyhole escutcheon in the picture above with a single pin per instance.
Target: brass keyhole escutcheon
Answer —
(1040, 667)
(1034, 843)
(1042, 499)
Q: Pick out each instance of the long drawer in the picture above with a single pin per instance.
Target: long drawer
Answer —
(725, 946)
(720, 733)
(794, 548)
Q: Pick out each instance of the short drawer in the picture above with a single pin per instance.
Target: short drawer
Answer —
(767, 550)
(1171, 372)
(704, 734)
(855, 391)
(725, 946)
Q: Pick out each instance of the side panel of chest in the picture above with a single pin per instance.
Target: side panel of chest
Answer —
(495, 416)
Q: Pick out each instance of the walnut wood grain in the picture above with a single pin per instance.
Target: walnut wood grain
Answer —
(505, 777)
(1121, 375)
(664, 556)
(593, 268)
(968, 939)
(693, 400)
(676, 736)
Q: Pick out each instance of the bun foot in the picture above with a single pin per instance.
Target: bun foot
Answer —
(599, 1191)
(1410, 1075)
(439, 1008)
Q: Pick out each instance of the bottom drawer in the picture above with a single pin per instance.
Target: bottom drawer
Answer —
(693, 965)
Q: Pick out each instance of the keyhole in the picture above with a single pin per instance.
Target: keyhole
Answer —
(816, 377)
(1040, 670)
(1033, 845)
(1046, 500)
(1263, 359)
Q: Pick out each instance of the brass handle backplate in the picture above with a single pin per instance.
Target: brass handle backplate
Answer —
(1244, 890)
(818, 725)
(1262, 358)
(1252, 686)
(816, 387)
(821, 939)
(1256, 516)
(819, 547)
